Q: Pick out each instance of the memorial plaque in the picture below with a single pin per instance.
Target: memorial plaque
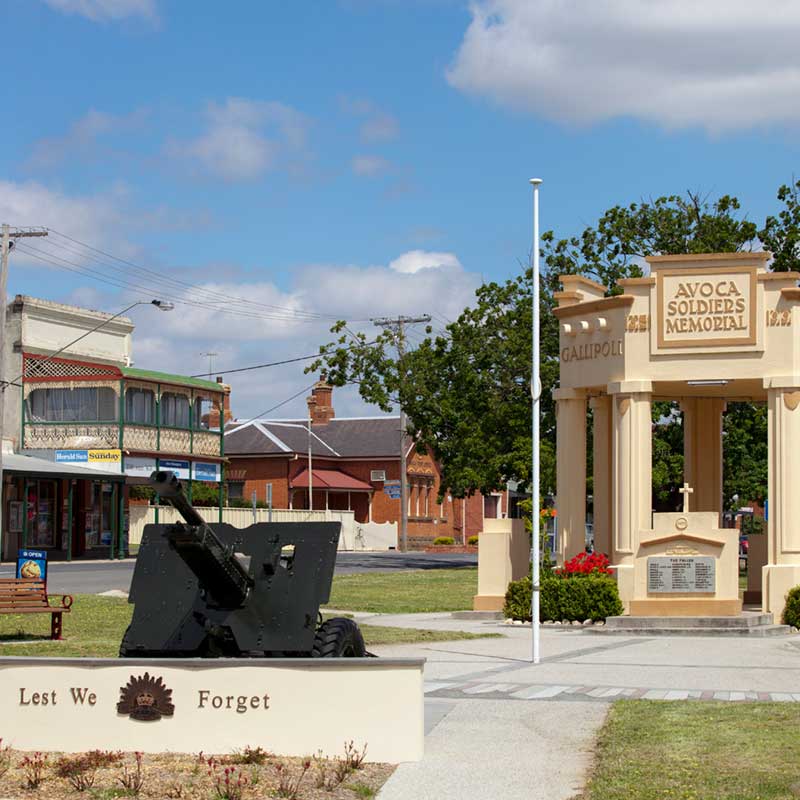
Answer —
(679, 574)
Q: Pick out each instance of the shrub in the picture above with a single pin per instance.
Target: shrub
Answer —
(444, 540)
(5, 758)
(33, 770)
(79, 770)
(791, 612)
(133, 779)
(587, 596)
(473, 540)
(250, 755)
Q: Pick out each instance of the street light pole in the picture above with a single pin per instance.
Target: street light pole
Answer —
(536, 392)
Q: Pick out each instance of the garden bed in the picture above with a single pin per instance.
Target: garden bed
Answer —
(247, 775)
(452, 548)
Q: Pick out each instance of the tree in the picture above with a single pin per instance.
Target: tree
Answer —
(781, 234)
(466, 393)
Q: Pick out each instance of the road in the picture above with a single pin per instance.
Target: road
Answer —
(93, 577)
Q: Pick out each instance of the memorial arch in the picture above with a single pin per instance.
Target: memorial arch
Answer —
(701, 330)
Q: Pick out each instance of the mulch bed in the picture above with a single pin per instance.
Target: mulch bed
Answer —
(452, 548)
(197, 777)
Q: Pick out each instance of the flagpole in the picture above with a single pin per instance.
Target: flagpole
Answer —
(536, 391)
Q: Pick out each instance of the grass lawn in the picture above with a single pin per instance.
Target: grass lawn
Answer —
(95, 627)
(650, 750)
(406, 592)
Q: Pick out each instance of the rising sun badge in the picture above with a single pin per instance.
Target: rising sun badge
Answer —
(146, 699)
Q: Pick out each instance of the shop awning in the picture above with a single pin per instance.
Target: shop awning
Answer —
(30, 466)
(331, 479)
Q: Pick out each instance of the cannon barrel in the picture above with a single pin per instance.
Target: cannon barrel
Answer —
(216, 566)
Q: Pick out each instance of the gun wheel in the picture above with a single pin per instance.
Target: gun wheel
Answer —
(339, 638)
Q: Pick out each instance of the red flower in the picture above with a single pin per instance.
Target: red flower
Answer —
(586, 564)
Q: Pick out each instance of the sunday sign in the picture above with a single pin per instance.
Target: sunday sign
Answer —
(702, 307)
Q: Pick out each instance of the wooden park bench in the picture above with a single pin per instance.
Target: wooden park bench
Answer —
(25, 596)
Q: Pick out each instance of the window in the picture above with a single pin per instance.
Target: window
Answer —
(140, 406)
(235, 490)
(202, 411)
(84, 404)
(174, 410)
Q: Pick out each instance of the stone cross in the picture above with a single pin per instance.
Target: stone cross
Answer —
(686, 491)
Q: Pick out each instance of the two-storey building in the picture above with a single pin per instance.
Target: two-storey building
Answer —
(89, 408)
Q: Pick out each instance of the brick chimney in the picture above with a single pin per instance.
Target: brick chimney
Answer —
(320, 403)
(212, 418)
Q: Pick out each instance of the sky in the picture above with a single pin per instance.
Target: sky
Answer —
(272, 167)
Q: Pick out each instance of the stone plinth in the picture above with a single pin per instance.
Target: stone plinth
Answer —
(686, 566)
(503, 556)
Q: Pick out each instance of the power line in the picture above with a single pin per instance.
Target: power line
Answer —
(162, 277)
(278, 363)
(72, 266)
(276, 407)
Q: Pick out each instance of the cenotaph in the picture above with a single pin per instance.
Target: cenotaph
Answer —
(700, 330)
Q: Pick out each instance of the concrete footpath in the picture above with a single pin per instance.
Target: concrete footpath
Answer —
(497, 725)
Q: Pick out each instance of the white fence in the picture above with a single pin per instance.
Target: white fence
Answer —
(354, 536)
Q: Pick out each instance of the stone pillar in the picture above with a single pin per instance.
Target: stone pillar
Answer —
(632, 477)
(570, 472)
(782, 571)
(504, 555)
(702, 451)
(601, 472)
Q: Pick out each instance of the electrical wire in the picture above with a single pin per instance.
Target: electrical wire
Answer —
(72, 266)
(277, 363)
(162, 278)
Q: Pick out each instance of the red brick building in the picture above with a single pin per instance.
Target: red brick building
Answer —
(355, 466)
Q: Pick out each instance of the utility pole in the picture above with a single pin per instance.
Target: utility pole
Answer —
(397, 324)
(310, 474)
(8, 234)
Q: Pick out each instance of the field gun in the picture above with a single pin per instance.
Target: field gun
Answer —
(213, 590)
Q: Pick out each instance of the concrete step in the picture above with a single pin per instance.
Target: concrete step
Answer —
(746, 620)
(758, 631)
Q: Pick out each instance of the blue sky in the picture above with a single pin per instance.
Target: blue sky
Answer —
(362, 157)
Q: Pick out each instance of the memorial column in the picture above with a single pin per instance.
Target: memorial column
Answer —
(631, 475)
(782, 571)
(702, 451)
(570, 473)
(601, 472)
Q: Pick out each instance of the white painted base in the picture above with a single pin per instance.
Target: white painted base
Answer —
(290, 707)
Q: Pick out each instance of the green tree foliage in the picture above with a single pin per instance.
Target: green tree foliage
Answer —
(467, 392)
(781, 233)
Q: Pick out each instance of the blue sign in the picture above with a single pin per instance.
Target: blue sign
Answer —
(392, 489)
(72, 456)
(32, 565)
(180, 468)
(766, 510)
(203, 471)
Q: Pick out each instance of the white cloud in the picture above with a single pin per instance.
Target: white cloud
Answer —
(367, 166)
(719, 64)
(245, 139)
(98, 10)
(84, 217)
(175, 341)
(378, 125)
(82, 137)
(416, 260)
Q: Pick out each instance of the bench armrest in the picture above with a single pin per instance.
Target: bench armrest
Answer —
(66, 600)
